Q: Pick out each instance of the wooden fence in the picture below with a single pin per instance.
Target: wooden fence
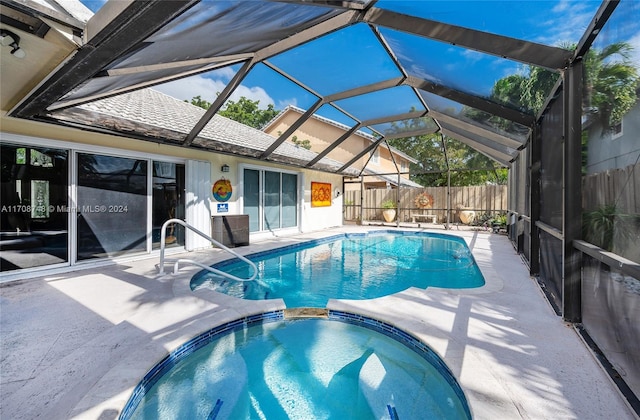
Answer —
(484, 200)
(617, 186)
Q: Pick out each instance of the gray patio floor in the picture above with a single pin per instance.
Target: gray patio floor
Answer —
(75, 344)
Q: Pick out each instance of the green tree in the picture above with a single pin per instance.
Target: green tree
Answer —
(247, 112)
(244, 111)
(611, 82)
(302, 143)
(199, 102)
(431, 169)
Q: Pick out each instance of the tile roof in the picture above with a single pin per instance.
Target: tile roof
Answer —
(165, 119)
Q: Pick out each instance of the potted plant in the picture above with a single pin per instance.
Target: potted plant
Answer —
(389, 212)
(498, 223)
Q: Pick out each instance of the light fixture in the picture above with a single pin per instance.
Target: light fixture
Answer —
(225, 168)
(9, 39)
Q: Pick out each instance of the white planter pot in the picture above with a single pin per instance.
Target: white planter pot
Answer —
(389, 215)
(467, 216)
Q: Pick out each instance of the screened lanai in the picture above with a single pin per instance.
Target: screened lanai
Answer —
(546, 89)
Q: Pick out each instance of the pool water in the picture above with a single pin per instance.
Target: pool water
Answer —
(304, 369)
(362, 266)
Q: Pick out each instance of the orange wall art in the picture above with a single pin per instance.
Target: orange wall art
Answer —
(320, 194)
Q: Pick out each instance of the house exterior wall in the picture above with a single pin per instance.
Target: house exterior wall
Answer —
(322, 134)
(37, 134)
(606, 151)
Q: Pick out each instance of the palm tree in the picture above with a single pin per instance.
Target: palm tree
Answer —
(611, 82)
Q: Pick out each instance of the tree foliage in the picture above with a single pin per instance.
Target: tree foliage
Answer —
(302, 143)
(431, 168)
(611, 82)
(199, 102)
(247, 112)
(244, 111)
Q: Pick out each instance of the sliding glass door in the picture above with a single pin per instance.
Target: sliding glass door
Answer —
(34, 221)
(270, 199)
(60, 206)
(111, 206)
(252, 198)
(289, 200)
(168, 202)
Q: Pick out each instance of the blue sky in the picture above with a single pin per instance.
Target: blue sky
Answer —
(324, 69)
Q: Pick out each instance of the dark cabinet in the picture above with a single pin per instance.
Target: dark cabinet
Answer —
(231, 230)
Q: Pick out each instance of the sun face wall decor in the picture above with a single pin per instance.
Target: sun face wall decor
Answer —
(320, 194)
(222, 190)
(424, 201)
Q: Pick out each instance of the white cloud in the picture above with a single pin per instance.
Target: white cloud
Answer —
(255, 93)
(635, 54)
(185, 89)
(282, 104)
(207, 89)
(565, 23)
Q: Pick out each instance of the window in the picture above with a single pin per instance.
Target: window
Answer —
(270, 198)
(375, 156)
(616, 131)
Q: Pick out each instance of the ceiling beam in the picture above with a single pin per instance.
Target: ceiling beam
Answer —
(499, 157)
(136, 21)
(29, 15)
(332, 24)
(478, 130)
(597, 23)
(411, 133)
(392, 118)
(551, 58)
(336, 4)
(221, 59)
(291, 78)
(361, 90)
(501, 148)
(130, 88)
(476, 102)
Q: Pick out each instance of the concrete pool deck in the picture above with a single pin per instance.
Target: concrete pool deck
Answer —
(75, 344)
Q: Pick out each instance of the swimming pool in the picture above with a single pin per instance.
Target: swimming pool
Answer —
(343, 366)
(350, 266)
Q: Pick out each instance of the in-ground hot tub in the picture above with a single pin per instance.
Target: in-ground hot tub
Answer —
(342, 365)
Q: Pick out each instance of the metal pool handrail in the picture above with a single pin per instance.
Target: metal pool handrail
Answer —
(163, 234)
